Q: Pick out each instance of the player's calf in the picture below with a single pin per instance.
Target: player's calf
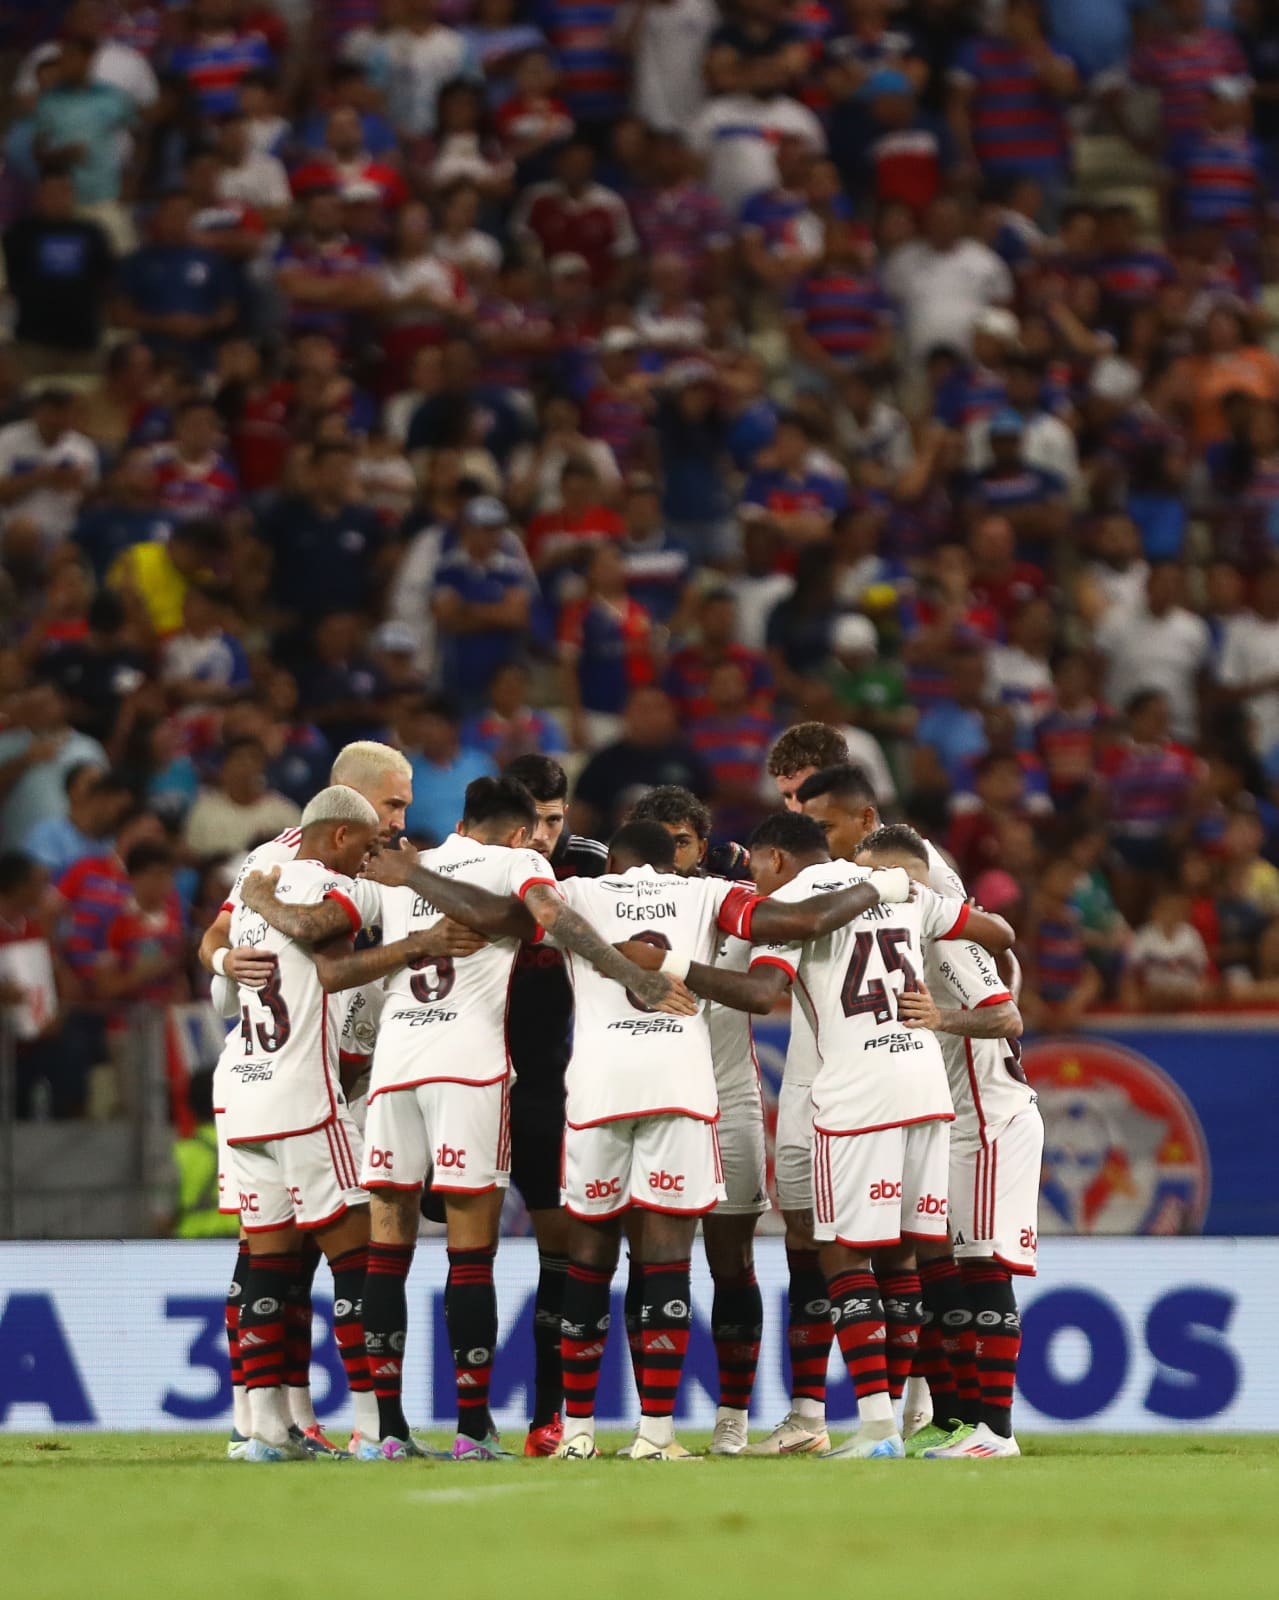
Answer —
(998, 1341)
(262, 1335)
(737, 1323)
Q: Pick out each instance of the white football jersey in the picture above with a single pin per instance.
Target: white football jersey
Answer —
(987, 1083)
(628, 1061)
(278, 1072)
(446, 1020)
(277, 852)
(872, 1072)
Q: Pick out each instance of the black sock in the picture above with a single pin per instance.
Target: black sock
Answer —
(666, 1320)
(470, 1313)
(737, 1326)
(548, 1309)
(633, 1308)
(809, 1329)
(349, 1272)
(298, 1317)
(262, 1320)
(951, 1319)
(386, 1321)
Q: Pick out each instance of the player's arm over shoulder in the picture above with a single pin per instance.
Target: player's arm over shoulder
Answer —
(944, 918)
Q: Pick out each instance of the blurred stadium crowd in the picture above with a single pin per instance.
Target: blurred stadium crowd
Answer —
(625, 382)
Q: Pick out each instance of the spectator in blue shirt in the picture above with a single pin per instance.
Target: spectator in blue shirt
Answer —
(126, 515)
(442, 767)
(1033, 500)
(800, 503)
(483, 598)
(94, 805)
(657, 569)
(952, 733)
(343, 693)
(325, 545)
(80, 123)
(173, 291)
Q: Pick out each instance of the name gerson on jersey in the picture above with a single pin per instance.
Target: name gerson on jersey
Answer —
(628, 1061)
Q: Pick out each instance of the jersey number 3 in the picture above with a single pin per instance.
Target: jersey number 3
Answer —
(861, 994)
(433, 977)
(270, 1035)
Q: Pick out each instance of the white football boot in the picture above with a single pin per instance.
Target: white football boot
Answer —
(794, 1435)
(982, 1444)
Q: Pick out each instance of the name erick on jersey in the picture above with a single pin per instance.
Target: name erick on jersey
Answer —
(872, 1072)
(628, 1061)
(278, 1071)
(445, 1021)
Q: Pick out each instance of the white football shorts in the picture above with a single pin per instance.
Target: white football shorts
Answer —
(743, 1151)
(793, 1147)
(658, 1163)
(994, 1195)
(308, 1179)
(463, 1130)
(228, 1194)
(874, 1189)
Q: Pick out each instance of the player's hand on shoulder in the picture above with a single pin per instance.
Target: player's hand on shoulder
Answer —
(258, 888)
(893, 884)
(642, 954)
(917, 1008)
(391, 868)
(249, 965)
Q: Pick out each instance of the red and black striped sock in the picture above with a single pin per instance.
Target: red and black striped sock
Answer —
(298, 1317)
(349, 1270)
(386, 1320)
(548, 1312)
(470, 1314)
(737, 1326)
(583, 1335)
(633, 1309)
(234, 1304)
(930, 1362)
(262, 1319)
(998, 1322)
(858, 1314)
(809, 1329)
(946, 1299)
(903, 1317)
(667, 1319)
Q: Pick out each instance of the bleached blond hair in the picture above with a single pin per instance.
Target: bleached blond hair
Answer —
(365, 764)
(339, 803)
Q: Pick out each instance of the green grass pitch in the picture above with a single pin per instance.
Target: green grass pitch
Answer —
(95, 1517)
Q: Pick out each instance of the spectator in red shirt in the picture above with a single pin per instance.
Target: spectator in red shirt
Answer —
(557, 538)
(575, 214)
(344, 160)
(145, 941)
(193, 478)
(689, 675)
(999, 580)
